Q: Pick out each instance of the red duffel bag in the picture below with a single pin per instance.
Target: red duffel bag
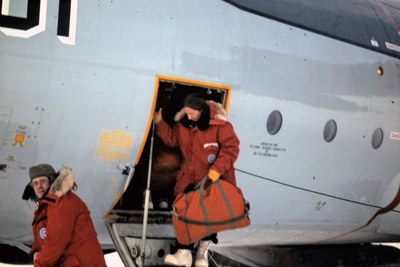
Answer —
(207, 209)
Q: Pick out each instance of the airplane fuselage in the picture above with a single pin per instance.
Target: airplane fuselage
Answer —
(317, 114)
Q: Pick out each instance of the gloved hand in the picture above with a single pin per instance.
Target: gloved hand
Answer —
(159, 115)
(213, 175)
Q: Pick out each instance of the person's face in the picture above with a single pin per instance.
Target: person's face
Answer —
(40, 185)
(192, 114)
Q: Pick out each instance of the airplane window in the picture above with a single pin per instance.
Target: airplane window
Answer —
(274, 122)
(377, 138)
(330, 130)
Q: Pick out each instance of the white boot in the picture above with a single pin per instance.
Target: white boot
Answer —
(183, 257)
(202, 254)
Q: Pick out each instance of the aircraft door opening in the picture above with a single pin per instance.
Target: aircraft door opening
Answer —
(165, 160)
(126, 221)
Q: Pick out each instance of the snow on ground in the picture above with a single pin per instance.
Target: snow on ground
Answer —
(112, 260)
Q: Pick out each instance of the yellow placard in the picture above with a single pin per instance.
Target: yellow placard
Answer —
(113, 145)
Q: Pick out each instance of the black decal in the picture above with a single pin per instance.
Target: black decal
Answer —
(31, 21)
(64, 14)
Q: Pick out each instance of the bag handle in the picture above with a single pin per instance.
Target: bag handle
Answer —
(203, 208)
(201, 184)
(226, 202)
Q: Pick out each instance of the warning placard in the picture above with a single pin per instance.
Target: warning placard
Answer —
(114, 145)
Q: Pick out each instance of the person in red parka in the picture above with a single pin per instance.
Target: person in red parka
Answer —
(209, 147)
(63, 230)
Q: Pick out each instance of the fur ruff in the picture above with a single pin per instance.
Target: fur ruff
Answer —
(63, 183)
(220, 113)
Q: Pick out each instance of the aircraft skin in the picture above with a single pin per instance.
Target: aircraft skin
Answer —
(79, 90)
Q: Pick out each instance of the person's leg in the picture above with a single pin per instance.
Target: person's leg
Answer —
(182, 257)
(202, 250)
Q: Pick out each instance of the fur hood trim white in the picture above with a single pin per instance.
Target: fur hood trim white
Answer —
(217, 112)
(63, 183)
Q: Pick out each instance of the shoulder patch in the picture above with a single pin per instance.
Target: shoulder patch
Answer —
(211, 158)
(43, 233)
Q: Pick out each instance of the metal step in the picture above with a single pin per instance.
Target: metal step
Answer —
(127, 238)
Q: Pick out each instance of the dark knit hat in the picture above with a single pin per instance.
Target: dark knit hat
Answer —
(42, 170)
(195, 101)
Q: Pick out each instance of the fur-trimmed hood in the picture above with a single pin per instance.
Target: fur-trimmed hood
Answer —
(217, 112)
(63, 183)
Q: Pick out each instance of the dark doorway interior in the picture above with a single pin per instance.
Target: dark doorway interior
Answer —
(165, 160)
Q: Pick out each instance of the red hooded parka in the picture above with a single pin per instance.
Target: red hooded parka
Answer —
(215, 147)
(63, 230)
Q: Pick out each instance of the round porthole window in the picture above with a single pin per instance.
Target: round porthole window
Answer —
(274, 122)
(330, 130)
(377, 138)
